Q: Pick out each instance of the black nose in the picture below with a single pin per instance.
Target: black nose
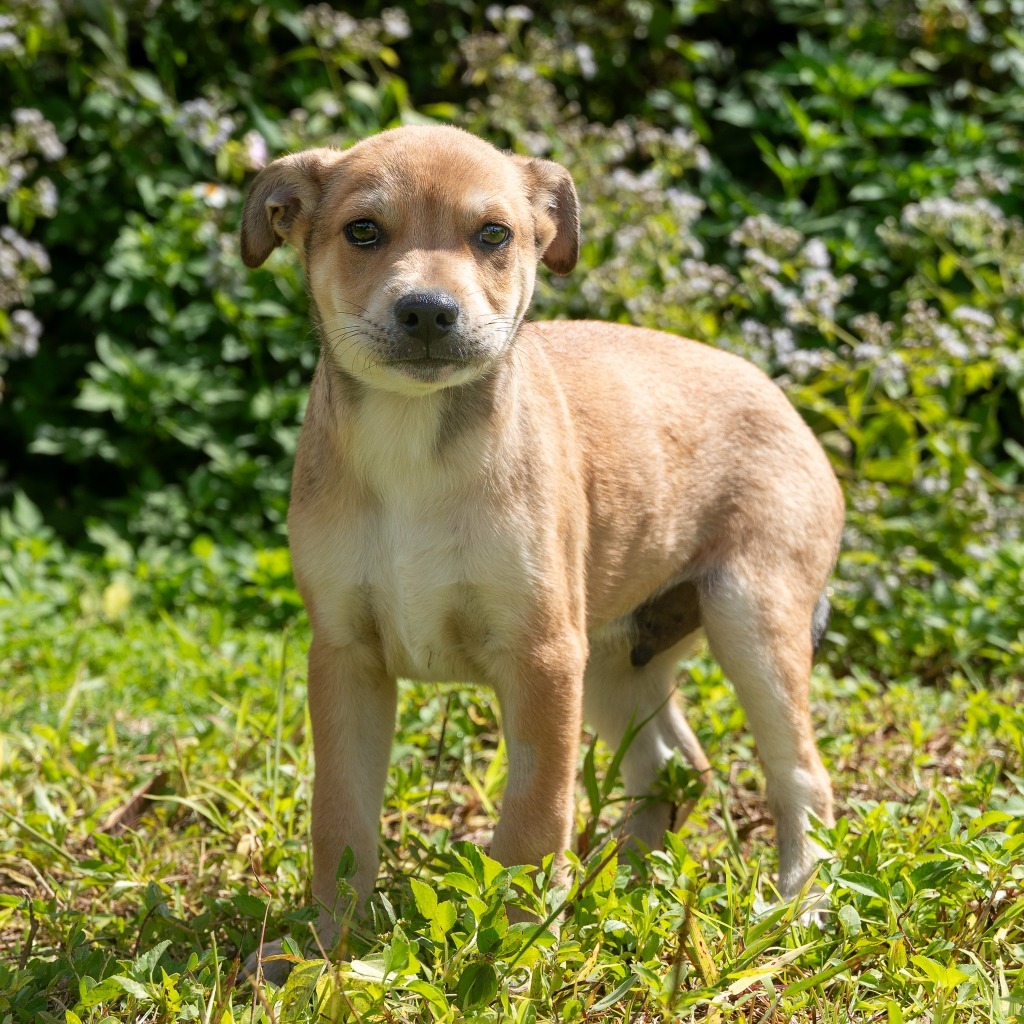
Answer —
(427, 316)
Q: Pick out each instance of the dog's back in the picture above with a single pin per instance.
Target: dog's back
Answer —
(709, 456)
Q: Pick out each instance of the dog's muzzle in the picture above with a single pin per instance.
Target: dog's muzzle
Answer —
(426, 338)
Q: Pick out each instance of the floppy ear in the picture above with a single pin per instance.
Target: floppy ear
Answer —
(281, 202)
(556, 210)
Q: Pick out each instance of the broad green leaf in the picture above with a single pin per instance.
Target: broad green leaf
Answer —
(425, 897)
(867, 885)
(446, 915)
(944, 977)
(133, 988)
(850, 919)
(477, 986)
(299, 988)
(431, 993)
(251, 906)
(462, 882)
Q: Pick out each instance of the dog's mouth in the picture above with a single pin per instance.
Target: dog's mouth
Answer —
(430, 368)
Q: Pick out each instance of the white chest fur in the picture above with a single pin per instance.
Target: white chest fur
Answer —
(413, 556)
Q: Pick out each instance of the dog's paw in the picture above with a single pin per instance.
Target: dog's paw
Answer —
(259, 964)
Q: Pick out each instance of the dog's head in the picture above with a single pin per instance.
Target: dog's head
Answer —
(420, 247)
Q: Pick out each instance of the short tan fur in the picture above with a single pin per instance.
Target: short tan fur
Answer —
(551, 509)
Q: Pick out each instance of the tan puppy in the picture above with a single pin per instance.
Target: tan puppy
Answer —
(551, 509)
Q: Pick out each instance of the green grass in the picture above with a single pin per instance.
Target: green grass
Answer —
(154, 794)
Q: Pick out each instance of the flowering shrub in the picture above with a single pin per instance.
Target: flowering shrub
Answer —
(830, 190)
(29, 195)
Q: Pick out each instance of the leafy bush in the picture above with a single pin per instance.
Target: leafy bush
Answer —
(831, 190)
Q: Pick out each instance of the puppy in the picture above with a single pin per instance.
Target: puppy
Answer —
(551, 509)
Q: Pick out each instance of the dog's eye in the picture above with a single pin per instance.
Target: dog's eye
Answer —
(362, 232)
(494, 234)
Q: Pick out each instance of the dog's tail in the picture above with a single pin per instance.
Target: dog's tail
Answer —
(820, 619)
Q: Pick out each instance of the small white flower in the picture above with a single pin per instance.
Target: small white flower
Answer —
(46, 196)
(759, 258)
(890, 369)
(519, 13)
(784, 342)
(27, 116)
(255, 150)
(1011, 361)
(956, 349)
(970, 315)
(215, 196)
(25, 339)
(804, 362)
(585, 60)
(867, 352)
(816, 254)
(205, 124)
(933, 485)
(395, 23)
(687, 207)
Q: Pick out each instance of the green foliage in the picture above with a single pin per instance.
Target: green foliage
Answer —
(831, 190)
(155, 788)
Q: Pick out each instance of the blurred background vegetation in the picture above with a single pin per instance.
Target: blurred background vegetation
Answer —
(832, 188)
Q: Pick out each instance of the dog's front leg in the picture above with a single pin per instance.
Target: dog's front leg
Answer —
(541, 706)
(352, 708)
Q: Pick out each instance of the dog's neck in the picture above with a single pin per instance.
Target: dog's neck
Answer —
(390, 439)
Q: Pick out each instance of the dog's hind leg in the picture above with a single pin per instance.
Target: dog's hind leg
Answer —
(636, 705)
(761, 634)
